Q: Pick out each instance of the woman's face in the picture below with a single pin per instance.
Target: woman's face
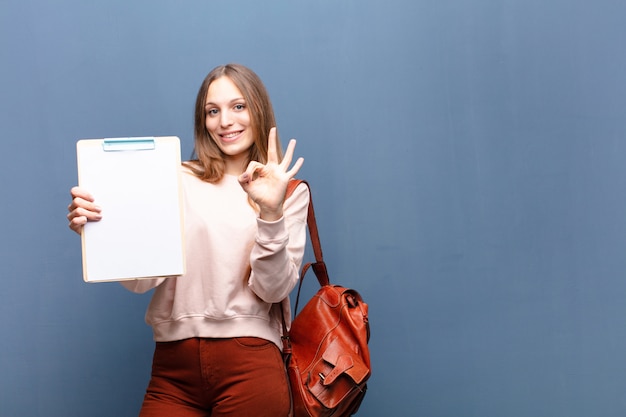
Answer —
(228, 123)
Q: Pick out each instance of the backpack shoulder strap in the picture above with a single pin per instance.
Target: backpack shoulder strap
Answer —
(319, 267)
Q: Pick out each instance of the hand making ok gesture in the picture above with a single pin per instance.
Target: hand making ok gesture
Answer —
(266, 184)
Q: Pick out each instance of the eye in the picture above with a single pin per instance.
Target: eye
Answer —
(211, 112)
(239, 107)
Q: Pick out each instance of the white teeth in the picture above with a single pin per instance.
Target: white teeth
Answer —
(231, 135)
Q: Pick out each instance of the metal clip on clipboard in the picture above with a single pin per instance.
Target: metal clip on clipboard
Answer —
(128, 144)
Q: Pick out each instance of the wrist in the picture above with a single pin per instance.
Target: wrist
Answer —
(269, 215)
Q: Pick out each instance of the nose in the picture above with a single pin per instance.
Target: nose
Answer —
(225, 118)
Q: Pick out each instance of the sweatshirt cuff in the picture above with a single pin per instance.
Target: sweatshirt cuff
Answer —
(271, 231)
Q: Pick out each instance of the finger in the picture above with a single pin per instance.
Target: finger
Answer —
(81, 193)
(272, 154)
(251, 172)
(81, 203)
(77, 224)
(289, 157)
(87, 214)
(296, 167)
(288, 154)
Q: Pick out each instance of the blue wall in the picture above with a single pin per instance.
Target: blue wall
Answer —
(467, 160)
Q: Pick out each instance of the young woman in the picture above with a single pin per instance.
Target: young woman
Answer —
(218, 327)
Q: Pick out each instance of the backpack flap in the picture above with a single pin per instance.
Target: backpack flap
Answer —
(344, 359)
(338, 375)
(348, 364)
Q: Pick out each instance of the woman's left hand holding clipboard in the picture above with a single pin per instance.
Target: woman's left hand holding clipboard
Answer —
(82, 209)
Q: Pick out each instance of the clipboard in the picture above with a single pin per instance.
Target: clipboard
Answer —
(137, 183)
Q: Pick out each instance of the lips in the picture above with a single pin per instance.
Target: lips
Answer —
(231, 136)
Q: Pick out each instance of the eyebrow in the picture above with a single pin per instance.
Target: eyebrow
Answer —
(210, 103)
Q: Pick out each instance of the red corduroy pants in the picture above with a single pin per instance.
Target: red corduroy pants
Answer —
(236, 377)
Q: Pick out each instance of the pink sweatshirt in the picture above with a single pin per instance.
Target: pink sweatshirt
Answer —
(218, 296)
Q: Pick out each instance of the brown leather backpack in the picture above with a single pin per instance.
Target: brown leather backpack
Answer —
(325, 351)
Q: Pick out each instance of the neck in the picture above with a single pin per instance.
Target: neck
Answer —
(235, 165)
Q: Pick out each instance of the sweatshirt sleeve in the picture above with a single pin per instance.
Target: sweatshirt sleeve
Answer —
(141, 286)
(277, 254)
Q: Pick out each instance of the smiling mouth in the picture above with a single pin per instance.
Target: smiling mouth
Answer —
(231, 135)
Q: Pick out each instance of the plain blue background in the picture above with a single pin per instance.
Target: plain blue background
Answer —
(467, 164)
